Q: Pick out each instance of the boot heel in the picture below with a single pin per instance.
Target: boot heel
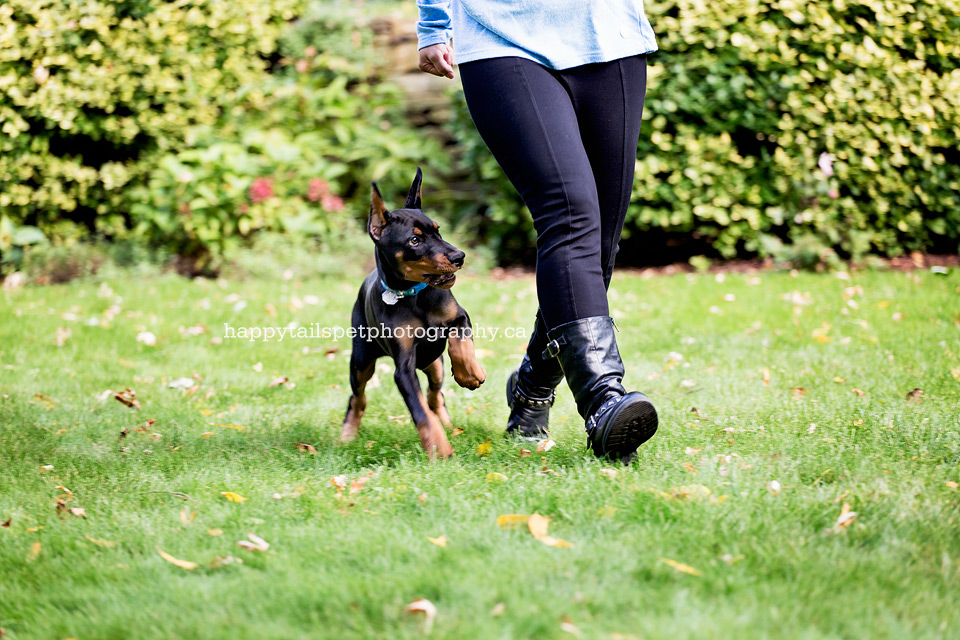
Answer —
(629, 424)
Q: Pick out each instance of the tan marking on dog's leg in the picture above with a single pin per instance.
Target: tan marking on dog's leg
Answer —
(357, 405)
(432, 436)
(434, 395)
(466, 370)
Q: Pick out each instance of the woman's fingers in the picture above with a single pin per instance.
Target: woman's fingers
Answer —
(437, 60)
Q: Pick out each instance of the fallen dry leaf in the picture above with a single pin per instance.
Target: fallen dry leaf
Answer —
(511, 521)
(222, 561)
(425, 607)
(496, 477)
(423, 497)
(186, 517)
(679, 566)
(846, 517)
(498, 610)
(483, 449)
(41, 398)
(609, 473)
(61, 337)
(7, 523)
(566, 624)
(208, 434)
(233, 497)
(456, 432)
(690, 468)
(860, 392)
(101, 543)
(183, 564)
(254, 543)
(915, 395)
(306, 448)
(545, 445)
(276, 382)
(538, 525)
(838, 379)
(525, 453)
(440, 541)
(774, 487)
(798, 392)
(950, 483)
(687, 492)
(357, 485)
(34, 552)
(214, 532)
(128, 398)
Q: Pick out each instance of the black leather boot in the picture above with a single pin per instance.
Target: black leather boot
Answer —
(617, 422)
(530, 389)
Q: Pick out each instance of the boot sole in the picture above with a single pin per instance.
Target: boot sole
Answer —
(631, 424)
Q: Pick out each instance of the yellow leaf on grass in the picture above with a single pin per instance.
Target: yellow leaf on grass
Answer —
(208, 434)
(545, 445)
(538, 527)
(606, 512)
(34, 552)
(186, 517)
(440, 541)
(101, 543)
(214, 532)
(496, 477)
(846, 517)
(952, 484)
(512, 521)
(233, 497)
(679, 566)
(183, 564)
(206, 412)
(483, 449)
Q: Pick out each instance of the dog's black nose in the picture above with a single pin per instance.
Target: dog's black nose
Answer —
(457, 258)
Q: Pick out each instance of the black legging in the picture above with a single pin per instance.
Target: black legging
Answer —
(567, 140)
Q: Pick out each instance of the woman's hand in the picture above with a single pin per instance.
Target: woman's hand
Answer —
(437, 59)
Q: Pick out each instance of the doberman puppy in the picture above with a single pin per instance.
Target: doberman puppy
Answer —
(405, 310)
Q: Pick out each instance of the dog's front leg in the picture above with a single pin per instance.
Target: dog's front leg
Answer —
(466, 369)
(432, 436)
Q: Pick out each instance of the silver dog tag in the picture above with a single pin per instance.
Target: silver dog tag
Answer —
(390, 297)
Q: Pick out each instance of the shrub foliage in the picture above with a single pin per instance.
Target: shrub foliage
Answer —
(834, 122)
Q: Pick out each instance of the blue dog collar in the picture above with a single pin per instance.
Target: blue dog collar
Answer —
(390, 296)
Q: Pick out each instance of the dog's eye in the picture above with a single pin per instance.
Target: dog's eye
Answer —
(413, 241)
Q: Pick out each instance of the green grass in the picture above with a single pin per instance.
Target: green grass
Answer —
(346, 567)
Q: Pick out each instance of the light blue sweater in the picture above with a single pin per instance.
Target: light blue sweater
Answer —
(558, 34)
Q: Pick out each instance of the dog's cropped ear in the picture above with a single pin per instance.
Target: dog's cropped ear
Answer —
(378, 213)
(413, 199)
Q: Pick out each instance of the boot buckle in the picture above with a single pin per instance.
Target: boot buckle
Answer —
(552, 350)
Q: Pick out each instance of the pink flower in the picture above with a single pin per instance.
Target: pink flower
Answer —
(833, 193)
(826, 164)
(331, 203)
(261, 190)
(318, 189)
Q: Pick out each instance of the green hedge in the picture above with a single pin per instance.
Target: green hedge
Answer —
(89, 90)
(746, 100)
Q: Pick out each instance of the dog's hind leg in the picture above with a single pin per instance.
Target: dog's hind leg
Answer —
(435, 401)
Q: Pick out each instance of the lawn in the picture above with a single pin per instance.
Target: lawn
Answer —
(803, 483)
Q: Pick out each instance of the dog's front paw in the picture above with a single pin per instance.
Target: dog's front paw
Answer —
(470, 378)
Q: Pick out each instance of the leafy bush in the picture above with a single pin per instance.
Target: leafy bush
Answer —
(89, 90)
(835, 121)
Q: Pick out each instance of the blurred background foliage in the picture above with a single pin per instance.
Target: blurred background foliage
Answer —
(825, 129)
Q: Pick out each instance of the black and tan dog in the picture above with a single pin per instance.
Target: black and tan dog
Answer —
(405, 310)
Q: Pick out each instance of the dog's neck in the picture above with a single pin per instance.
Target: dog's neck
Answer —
(389, 274)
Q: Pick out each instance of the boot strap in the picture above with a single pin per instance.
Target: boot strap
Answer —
(553, 348)
(532, 402)
(606, 406)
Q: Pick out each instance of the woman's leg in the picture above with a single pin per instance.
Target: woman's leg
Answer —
(608, 99)
(526, 116)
